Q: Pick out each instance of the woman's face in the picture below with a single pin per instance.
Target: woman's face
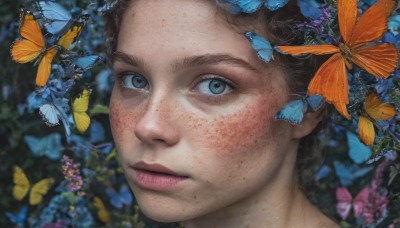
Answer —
(192, 112)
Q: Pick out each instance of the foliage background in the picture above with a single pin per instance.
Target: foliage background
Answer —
(97, 160)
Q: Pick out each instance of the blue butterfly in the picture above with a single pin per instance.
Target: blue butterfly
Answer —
(97, 132)
(20, 218)
(294, 110)
(250, 6)
(54, 111)
(104, 80)
(347, 175)
(358, 152)
(86, 62)
(49, 145)
(261, 45)
(57, 19)
(81, 147)
(118, 199)
(310, 9)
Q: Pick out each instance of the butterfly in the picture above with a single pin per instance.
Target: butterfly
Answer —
(56, 18)
(347, 175)
(71, 35)
(20, 218)
(375, 110)
(330, 80)
(53, 112)
(102, 212)
(22, 186)
(261, 45)
(79, 108)
(250, 6)
(33, 47)
(358, 152)
(310, 8)
(294, 110)
(86, 62)
(345, 202)
(49, 145)
(117, 199)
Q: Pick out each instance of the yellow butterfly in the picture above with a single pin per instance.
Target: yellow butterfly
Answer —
(375, 109)
(79, 108)
(70, 36)
(102, 212)
(22, 186)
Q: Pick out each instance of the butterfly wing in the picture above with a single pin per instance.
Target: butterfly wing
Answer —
(114, 198)
(373, 23)
(70, 36)
(261, 45)
(379, 60)
(57, 18)
(347, 17)
(275, 4)
(44, 68)
(292, 112)
(20, 218)
(330, 81)
(249, 6)
(35, 145)
(24, 51)
(21, 183)
(49, 114)
(366, 131)
(358, 152)
(315, 101)
(102, 212)
(126, 195)
(87, 62)
(344, 200)
(39, 190)
(361, 201)
(323, 49)
(79, 107)
(377, 109)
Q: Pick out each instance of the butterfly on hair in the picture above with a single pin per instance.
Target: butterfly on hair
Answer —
(56, 19)
(251, 6)
(294, 110)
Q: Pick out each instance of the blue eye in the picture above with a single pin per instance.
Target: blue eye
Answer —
(135, 81)
(214, 86)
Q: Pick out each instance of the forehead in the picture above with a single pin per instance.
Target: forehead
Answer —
(181, 27)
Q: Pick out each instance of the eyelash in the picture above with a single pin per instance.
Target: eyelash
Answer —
(212, 97)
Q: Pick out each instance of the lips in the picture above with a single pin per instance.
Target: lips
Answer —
(156, 176)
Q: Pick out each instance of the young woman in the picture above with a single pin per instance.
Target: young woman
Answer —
(192, 115)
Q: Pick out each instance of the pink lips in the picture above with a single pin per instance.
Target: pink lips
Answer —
(156, 176)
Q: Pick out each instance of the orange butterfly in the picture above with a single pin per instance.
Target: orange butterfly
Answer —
(376, 110)
(330, 81)
(33, 47)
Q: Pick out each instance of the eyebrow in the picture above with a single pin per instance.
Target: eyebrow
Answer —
(192, 61)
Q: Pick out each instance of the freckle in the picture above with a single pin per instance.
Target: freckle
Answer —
(195, 197)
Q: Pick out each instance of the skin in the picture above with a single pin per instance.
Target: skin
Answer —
(239, 160)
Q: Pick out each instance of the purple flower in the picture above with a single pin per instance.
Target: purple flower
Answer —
(72, 174)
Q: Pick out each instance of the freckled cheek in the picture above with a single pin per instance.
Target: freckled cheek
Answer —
(244, 134)
(122, 121)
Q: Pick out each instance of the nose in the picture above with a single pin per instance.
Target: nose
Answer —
(156, 125)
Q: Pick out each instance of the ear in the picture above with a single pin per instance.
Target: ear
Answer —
(310, 121)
